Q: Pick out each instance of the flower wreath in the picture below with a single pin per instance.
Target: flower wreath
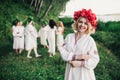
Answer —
(87, 14)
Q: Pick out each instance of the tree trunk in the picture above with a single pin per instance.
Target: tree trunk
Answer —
(35, 4)
(31, 3)
(39, 8)
(47, 10)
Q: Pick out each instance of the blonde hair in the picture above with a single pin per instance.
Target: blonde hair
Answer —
(90, 29)
(60, 24)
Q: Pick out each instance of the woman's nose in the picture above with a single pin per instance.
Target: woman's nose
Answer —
(82, 24)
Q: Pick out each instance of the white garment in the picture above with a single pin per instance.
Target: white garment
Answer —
(43, 35)
(30, 37)
(60, 39)
(13, 27)
(51, 40)
(18, 33)
(85, 44)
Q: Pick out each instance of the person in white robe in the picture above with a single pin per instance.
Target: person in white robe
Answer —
(79, 49)
(14, 23)
(60, 32)
(51, 38)
(18, 33)
(31, 39)
(43, 35)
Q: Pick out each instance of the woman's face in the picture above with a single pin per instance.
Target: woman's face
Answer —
(82, 25)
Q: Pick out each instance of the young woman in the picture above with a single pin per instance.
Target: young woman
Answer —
(31, 38)
(51, 37)
(18, 33)
(79, 49)
(60, 32)
(43, 35)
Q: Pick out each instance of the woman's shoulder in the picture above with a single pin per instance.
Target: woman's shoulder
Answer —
(29, 27)
(55, 27)
(90, 38)
(22, 27)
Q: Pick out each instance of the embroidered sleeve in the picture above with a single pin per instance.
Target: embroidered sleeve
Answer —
(65, 54)
(94, 57)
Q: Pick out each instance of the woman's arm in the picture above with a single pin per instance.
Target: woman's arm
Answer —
(65, 54)
(93, 60)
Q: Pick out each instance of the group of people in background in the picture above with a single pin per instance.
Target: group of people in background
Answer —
(48, 32)
(26, 37)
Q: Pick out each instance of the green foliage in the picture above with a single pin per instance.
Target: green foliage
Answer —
(58, 6)
(100, 25)
(67, 21)
(110, 40)
(108, 34)
(109, 66)
(19, 67)
(111, 26)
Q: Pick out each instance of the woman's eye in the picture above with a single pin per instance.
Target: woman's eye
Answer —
(86, 24)
(80, 21)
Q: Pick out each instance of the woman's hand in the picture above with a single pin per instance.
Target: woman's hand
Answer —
(18, 32)
(82, 57)
(75, 63)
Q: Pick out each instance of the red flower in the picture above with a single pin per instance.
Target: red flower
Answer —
(87, 14)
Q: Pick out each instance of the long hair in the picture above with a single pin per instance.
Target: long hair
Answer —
(14, 23)
(60, 24)
(52, 23)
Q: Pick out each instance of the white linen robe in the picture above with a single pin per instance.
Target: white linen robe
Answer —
(84, 45)
(51, 40)
(60, 39)
(43, 35)
(30, 37)
(18, 33)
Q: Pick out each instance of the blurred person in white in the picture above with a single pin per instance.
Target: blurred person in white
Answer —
(79, 49)
(14, 24)
(43, 34)
(31, 38)
(60, 32)
(18, 33)
(51, 37)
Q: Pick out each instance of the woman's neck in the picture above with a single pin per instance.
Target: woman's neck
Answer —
(79, 35)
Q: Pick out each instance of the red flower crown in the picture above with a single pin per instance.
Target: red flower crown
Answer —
(87, 14)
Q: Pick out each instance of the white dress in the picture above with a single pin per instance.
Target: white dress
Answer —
(13, 28)
(60, 39)
(43, 35)
(51, 40)
(85, 44)
(18, 33)
(30, 37)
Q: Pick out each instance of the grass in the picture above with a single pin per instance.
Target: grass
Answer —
(19, 67)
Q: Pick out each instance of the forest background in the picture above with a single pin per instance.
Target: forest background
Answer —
(14, 67)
